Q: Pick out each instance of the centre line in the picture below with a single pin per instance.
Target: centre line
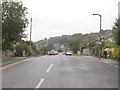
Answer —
(49, 67)
(39, 84)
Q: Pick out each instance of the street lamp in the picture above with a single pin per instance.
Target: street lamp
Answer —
(100, 34)
(30, 35)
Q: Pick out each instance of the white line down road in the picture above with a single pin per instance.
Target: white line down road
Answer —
(71, 72)
(39, 84)
(49, 68)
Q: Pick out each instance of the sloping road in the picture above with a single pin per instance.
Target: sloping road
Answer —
(60, 72)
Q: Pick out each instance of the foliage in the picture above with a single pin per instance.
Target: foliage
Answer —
(116, 52)
(108, 44)
(74, 44)
(116, 35)
(43, 50)
(14, 22)
(116, 32)
(83, 39)
(95, 50)
(33, 46)
(49, 46)
(91, 45)
(22, 47)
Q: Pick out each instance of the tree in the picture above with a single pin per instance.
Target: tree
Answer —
(33, 46)
(43, 50)
(14, 22)
(116, 31)
(91, 45)
(74, 44)
(49, 46)
(116, 35)
(22, 46)
(96, 49)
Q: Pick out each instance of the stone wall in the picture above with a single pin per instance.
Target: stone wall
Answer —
(86, 51)
(7, 53)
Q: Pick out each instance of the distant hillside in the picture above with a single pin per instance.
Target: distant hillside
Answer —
(83, 38)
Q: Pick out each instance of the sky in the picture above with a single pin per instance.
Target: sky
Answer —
(66, 17)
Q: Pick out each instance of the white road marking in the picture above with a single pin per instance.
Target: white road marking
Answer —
(116, 66)
(26, 60)
(12, 64)
(39, 84)
(49, 68)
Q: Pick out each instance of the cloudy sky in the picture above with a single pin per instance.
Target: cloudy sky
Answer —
(66, 17)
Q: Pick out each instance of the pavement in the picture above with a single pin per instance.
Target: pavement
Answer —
(61, 71)
(107, 61)
(9, 60)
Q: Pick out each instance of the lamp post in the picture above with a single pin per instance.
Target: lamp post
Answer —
(100, 34)
(30, 35)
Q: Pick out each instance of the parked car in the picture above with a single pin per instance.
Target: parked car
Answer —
(68, 53)
(55, 53)
(63, 53)
(52, 52)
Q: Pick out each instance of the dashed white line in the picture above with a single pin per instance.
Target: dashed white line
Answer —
(49, 68)
(39, 84)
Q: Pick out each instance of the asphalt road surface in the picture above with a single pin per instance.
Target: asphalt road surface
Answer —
(60, 72)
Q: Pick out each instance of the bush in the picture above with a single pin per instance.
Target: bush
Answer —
(21, 47)
(96, 50)
(116, 52)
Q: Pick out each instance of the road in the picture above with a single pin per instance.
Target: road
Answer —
(60, 72)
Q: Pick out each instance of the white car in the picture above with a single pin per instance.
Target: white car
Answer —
(68, 53)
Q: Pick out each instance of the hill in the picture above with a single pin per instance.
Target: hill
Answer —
(62, 41)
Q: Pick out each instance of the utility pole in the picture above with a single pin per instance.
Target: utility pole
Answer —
(30, 34)
(100, 37)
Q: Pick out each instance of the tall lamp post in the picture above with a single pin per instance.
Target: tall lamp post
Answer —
(30, 34)
(100, 37)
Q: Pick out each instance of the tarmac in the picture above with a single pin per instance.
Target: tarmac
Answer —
(9, 60)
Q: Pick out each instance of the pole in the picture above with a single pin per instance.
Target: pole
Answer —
(30, 33)
(100, 34)
(100, 37)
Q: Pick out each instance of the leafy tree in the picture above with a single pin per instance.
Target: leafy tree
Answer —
(74, 44)
(22, 47)
(91, 45)
(14, 22)
(96, 49)
(49, 46)
(116, 35)
(116, 32)
(43, 50)
(33, 46)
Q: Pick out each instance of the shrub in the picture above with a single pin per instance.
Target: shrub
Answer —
(116, 52)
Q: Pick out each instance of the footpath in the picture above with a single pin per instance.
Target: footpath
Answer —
(107, 61)
(9, 60)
